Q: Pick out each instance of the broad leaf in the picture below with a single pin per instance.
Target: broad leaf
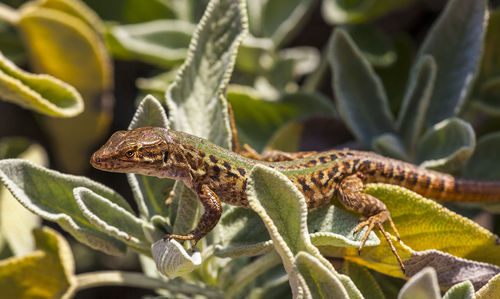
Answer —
(173, 260)
(49, 194)
(461, 27)
(373, 44)
(59, 38)
(161, 43)
(361, 99)
(45, 273)
(112, 219)
(416, 101)
(447, 145)
(196, 98)
(423, 224)
(284, 212)
(258, 119)
(390, 145)
(41, 93)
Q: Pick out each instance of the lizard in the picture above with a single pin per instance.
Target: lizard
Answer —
(216, 175)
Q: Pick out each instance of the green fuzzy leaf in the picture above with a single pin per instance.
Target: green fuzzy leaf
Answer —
(49, 194)
(150, 192)
(358, 11)
(463, 290)
(361, 99)
(46, 273)
(320, 281)
(461, 27)
(447, 145)
(41, 93)
(188, 209)
(423, 285)
(373, 44)
(112, 219)
(134, 11)
(284, 212)
(416, 101)
(251, 52)
(490, 63)
(490, 290)
(364, 280)
(161, 43)
(258, 119)
(196, 98)
(172, 260)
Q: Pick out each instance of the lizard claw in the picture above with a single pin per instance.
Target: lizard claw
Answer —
(378, 220)
(183, 238)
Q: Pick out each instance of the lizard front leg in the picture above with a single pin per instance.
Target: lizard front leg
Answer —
(213, 211)
(374, 211)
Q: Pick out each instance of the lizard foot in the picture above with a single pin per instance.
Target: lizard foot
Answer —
(183, 238)
(378, 220)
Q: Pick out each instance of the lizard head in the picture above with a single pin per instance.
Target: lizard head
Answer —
(142, 150)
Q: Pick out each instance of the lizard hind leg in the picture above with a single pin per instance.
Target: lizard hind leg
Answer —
(374, 211)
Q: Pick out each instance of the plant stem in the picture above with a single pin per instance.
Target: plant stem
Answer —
(8, 14)
(131, 279)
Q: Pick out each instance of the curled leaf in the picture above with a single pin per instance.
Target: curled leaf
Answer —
(172, 259)
(41, 93)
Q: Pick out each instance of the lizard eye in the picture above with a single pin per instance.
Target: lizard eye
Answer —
(130, 153)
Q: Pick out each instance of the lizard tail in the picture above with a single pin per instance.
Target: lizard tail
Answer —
(437, 185)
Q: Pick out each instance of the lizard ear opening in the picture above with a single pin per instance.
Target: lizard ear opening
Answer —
(165, 157)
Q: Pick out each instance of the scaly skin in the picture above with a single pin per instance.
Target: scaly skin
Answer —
(217, 175)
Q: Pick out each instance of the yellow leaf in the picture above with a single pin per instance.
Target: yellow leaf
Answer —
(45, 273)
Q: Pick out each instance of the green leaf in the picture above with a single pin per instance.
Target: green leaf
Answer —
(161, 43)
(172, 260)
(463, 290)
(41, 93)
(485, 155)
(258, 119)
(112, 219)
(358, 11)
(133, 11)
(490, 290)
(447, 145)
(490, 63)
(424, 224)
(373, 44)
(361, 99)
(16, 222)
(461, 27)
(416, 101)
(46, 273)
(150, 192)
(320, 281)
(281, 20)
(423, 285)
(390, 145)
(284, 212)
(49, 194)
(196, 98)
(188, 209)
(58, 40)
(253, 54)
(364, 280)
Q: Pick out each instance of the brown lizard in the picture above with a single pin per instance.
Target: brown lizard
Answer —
(218, 175)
